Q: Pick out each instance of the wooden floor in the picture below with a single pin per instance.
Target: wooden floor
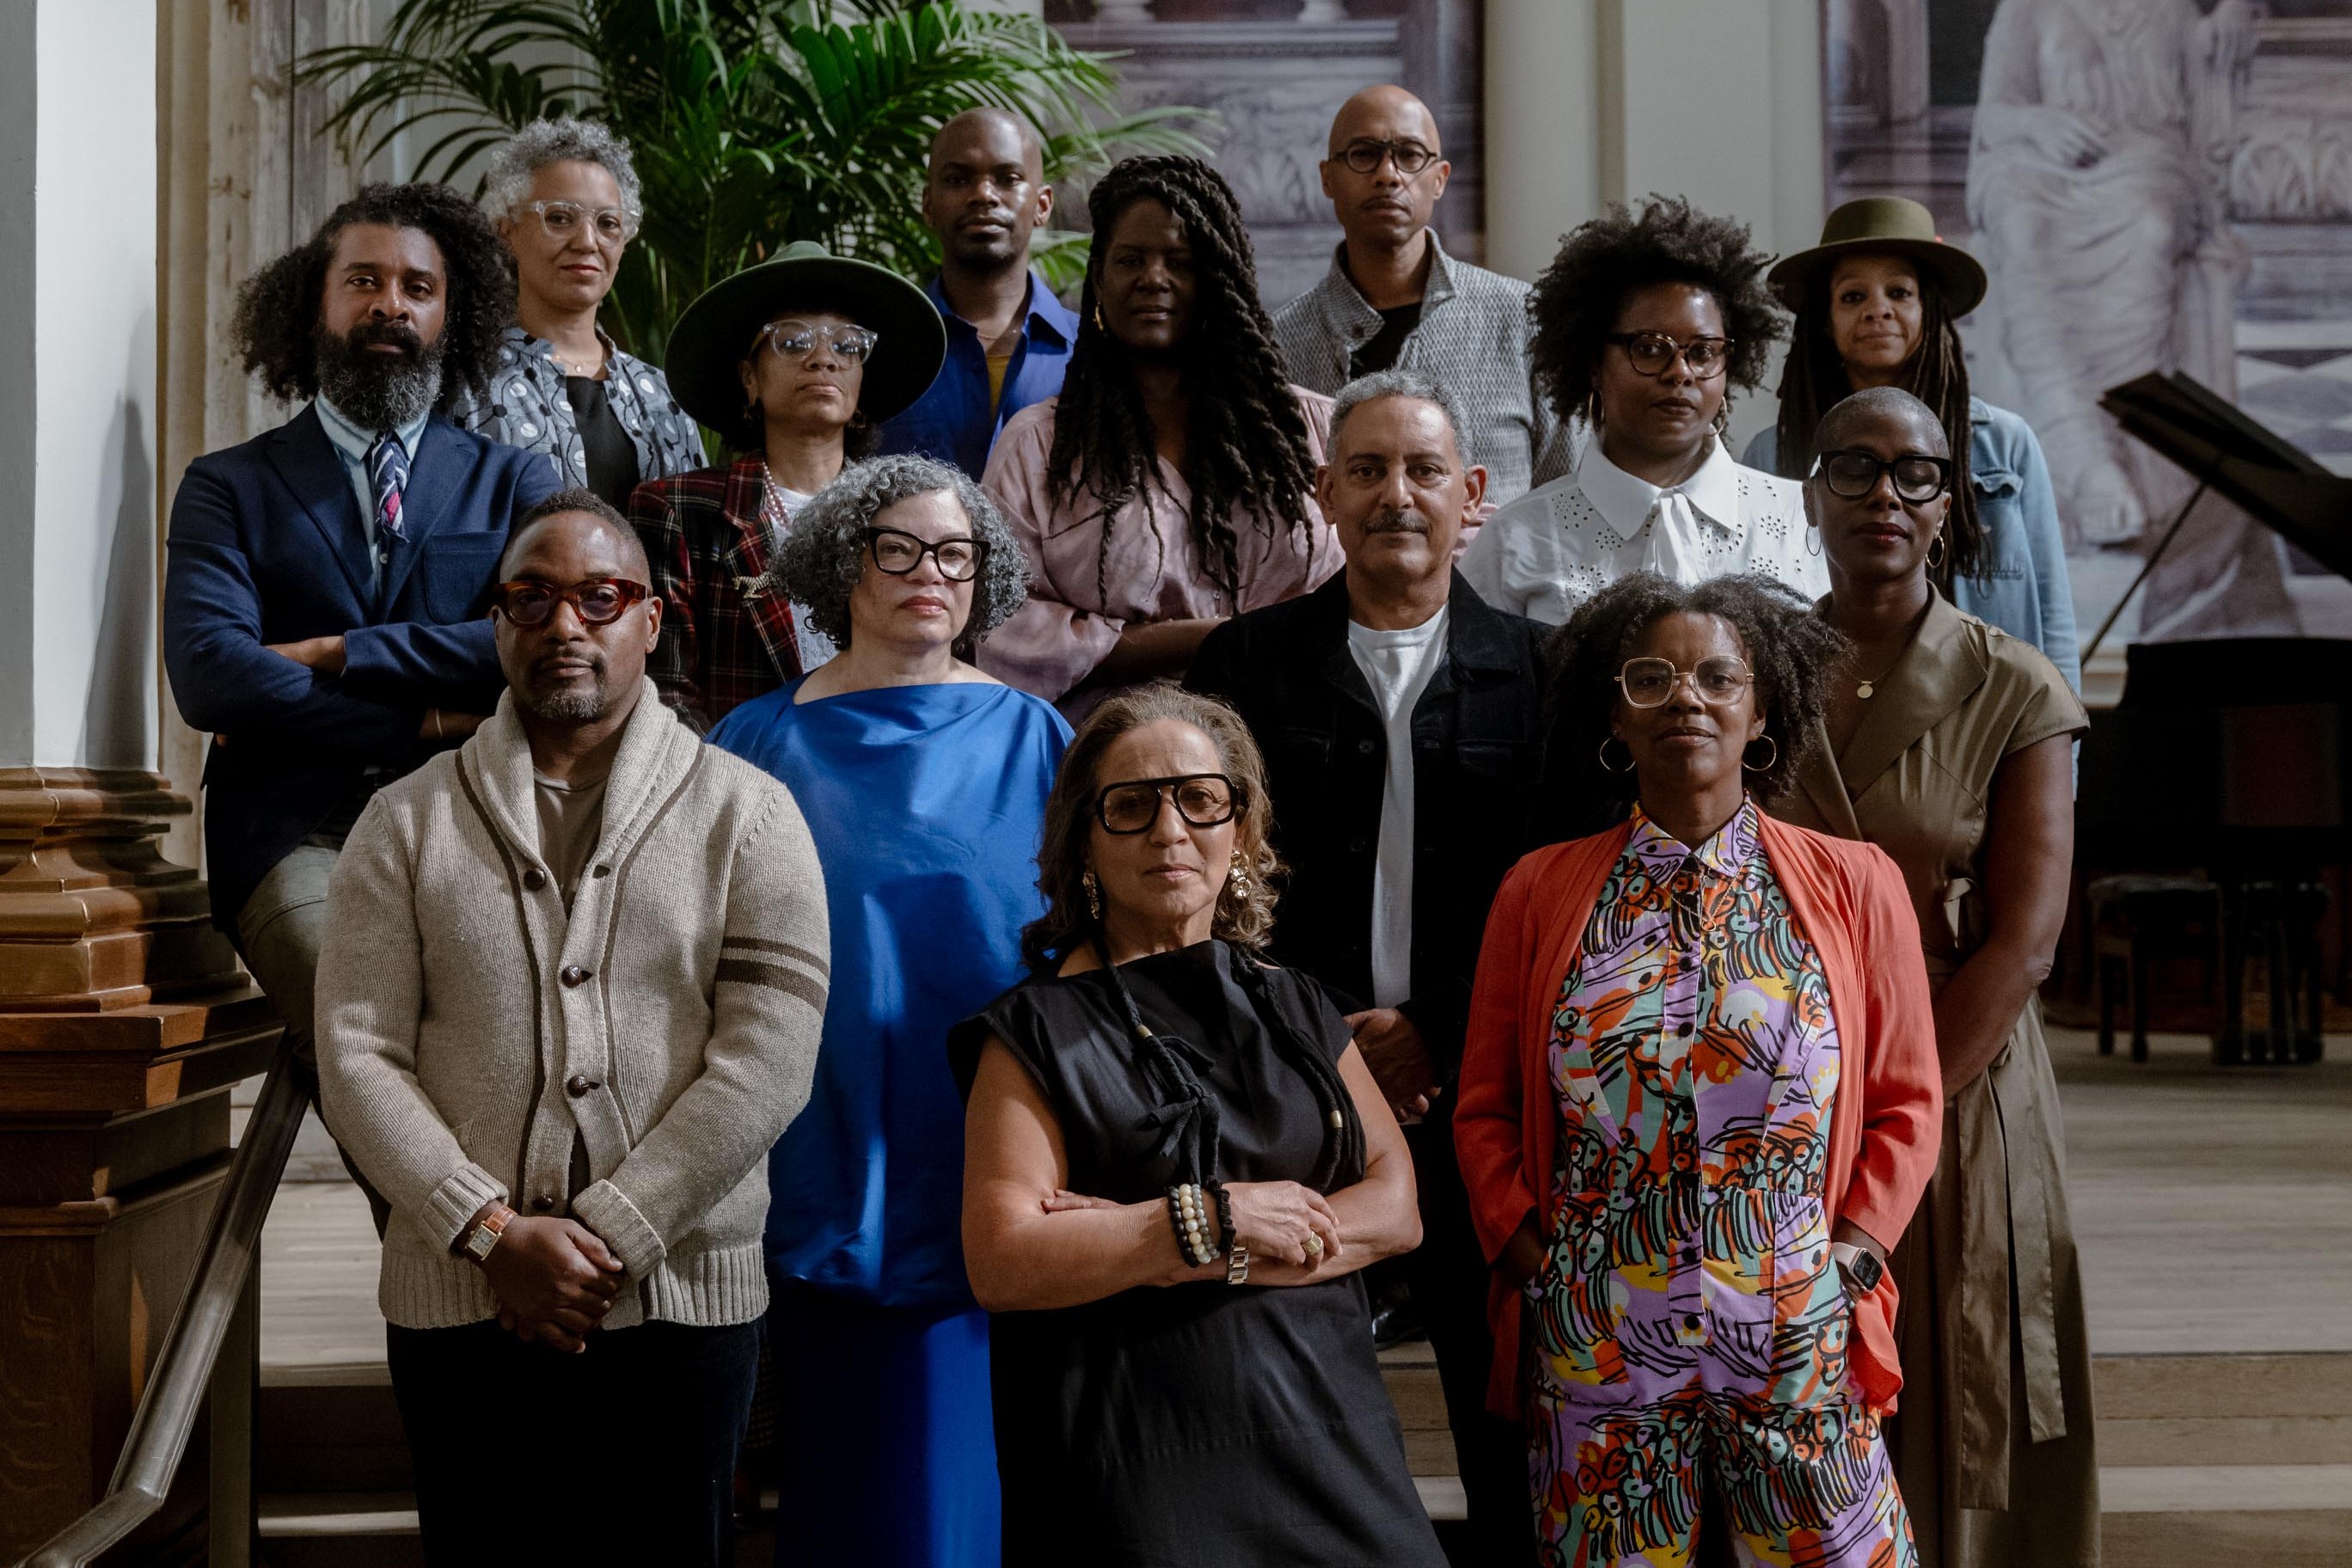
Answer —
(2213, 1210)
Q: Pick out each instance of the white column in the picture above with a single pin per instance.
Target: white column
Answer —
(78, 428)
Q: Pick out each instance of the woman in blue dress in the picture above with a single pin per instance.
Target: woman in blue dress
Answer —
(924, 782)
(1878, 303)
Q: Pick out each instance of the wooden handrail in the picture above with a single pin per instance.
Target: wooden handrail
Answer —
(184, 1367)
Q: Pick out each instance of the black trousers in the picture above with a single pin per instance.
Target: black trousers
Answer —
(1448, 1275)
(624, 1453)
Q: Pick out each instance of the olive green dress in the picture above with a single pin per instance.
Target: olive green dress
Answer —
(1992, 1442)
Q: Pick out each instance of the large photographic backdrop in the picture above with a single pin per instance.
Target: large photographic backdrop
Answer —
(2152, 185)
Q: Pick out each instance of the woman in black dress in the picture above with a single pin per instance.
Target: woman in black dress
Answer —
(1176, 1162)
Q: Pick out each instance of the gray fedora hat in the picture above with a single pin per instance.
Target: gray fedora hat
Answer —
(715, 332)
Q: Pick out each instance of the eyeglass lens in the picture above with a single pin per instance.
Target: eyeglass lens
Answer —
(1854, 475)
(600, 601)
(899, 553)
(563, 220)
(1652, 352)
(798, 340)
(1365, 156)
(1649, 682)
(1204, 800)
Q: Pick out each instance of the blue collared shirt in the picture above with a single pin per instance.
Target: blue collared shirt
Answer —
(351, 444)
(952, 421)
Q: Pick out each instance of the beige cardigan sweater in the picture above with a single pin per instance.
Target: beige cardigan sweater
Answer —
(467, 1027)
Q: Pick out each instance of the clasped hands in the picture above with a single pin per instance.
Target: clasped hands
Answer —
(555, 1278)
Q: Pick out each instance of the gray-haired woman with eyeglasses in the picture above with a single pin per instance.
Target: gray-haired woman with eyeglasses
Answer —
(564, 195)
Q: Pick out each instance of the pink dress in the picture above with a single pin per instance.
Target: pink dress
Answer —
(1079, 601)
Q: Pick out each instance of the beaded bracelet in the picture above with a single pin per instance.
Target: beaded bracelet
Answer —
(1196, 1241)
(1225, 1217)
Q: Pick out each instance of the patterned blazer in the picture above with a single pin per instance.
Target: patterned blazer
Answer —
(527, 407)
(728, 634)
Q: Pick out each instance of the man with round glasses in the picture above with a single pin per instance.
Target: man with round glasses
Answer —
(573, 988)
(564, 195)
(795, 362)
(1395, 298)
(1644, 323)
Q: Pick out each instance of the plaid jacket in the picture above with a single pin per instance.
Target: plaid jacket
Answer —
(1473, 337)
(726, 636)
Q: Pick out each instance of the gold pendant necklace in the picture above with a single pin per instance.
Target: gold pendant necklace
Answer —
(1869, 686)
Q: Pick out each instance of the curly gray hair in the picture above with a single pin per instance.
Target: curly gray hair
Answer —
(1414, 383)
(507, 183)
(823, 557)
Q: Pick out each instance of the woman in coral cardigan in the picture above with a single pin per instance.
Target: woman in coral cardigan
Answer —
(1699, 1100)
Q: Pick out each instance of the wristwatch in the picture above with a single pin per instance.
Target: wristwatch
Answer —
(486, 1231)
(1859, 1265)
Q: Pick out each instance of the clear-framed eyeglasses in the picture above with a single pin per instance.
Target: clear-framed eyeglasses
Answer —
(612, 227)
(798, 340)
(1365, 154)
(1652, 352)
(1854, 474)
(1650, 683)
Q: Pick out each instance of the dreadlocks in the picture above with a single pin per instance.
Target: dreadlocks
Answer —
(1814, 380)
(277, 321)
(1245, 446)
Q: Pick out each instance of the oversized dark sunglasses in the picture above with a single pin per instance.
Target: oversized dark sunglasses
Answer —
(1854, 474)
(1132, 805)
(900, 552)
(598, 601)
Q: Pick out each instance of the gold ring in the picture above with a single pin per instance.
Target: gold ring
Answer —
(1314, 1244)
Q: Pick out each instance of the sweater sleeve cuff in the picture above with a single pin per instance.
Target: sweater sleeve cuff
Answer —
(457, 1200)
(606, 1210)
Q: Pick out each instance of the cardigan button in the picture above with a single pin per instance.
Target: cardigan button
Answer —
(543, 1203)
(578, 1084)
(573, 974)
(534, 878)
(1366, 747)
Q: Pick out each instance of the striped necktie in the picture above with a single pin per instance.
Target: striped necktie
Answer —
(387, 467)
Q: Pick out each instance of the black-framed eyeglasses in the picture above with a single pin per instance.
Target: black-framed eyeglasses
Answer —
(598, 601)
(798, 340)
(1132, 805)
(1365, 154)
(898, 553)
(1652, 352)
(1649, 682)
(1854, 474)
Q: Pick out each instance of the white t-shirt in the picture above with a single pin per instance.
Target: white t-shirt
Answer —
(1397, 665)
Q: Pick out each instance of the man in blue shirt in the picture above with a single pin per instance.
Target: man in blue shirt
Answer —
(1008, 338)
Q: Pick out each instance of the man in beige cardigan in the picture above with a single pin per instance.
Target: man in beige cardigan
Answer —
(573, 984)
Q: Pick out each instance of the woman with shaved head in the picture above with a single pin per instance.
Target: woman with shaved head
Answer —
(1949, 746)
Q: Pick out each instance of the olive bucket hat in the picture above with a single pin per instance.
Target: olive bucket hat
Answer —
(716, 331)
(1885, 225)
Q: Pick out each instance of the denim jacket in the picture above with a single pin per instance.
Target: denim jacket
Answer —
(2024, 590)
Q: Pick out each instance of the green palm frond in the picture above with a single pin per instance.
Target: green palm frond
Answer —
(755, 122)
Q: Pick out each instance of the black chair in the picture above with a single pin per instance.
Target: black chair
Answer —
(2136, 918)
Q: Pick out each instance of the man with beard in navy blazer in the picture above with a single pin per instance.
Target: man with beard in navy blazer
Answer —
(325, 604)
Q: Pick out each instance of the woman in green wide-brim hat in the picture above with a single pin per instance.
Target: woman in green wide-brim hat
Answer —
(795, 362)
(1878, 302)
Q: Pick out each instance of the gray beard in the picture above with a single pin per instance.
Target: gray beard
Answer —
(376, 393)
(568, 706)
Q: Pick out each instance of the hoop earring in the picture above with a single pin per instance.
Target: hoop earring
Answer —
(1603, 754)
(1098, 322)
(1769, 763)
(1094, 896)
(1935, 545)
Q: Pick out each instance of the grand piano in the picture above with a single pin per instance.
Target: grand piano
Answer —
(2224, 758)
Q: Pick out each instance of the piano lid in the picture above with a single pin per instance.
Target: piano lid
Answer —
(2272, 479)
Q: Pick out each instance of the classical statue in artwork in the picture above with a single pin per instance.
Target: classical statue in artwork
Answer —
(2097, 190)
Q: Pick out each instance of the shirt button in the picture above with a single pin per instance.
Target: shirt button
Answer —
(578, 1084)
(1690, 1321)
(534, 878)
(573, 974)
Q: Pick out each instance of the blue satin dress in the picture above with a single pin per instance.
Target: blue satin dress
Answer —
(927, 804)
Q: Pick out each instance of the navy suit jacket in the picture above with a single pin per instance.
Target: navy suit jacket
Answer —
(267, 545)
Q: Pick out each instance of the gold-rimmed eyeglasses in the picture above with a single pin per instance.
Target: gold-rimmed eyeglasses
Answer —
(1650, 683)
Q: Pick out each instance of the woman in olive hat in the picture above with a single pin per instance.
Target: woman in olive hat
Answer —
(795, 362)
(1877, 303)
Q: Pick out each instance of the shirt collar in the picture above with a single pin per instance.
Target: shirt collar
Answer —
(1048, 316)
(1435, 291)
(1735, 845)
(1624, 499)
(353, 442)
(545, 348)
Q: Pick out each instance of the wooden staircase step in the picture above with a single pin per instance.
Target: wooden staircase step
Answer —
(2223, 1386)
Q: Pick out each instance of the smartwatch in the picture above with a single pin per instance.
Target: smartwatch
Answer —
(1859, 1265)
(486, 1231)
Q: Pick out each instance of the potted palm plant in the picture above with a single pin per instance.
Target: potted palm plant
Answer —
(755, 122)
